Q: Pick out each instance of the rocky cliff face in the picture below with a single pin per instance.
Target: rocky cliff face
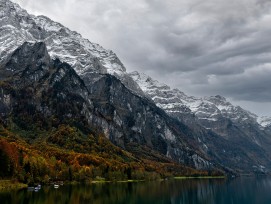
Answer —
(36, 89)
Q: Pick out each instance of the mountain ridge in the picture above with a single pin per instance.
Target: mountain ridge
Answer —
(151, 86)
(69, 46)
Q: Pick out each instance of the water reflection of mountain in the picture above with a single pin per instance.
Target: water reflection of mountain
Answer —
(194, 191)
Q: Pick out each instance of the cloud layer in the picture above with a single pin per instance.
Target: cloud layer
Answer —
(201, 47)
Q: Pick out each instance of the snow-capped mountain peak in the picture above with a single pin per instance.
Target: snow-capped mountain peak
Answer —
(211, 108)
(17, 26)
(146, 82)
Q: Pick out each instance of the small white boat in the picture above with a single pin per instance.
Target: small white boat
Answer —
(56, 186)
(38, 187)
(30, 188)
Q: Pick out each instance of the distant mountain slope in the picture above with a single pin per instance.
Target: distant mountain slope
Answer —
(214, 113)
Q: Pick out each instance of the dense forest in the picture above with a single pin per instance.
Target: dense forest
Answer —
(67, 154)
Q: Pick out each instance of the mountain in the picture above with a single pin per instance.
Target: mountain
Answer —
(120, 121)
(107, 106)
(17, 27)
(237, 126)
(51, 76)
(45, 105)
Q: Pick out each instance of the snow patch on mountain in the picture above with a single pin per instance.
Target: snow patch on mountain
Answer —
(211, 108)
(264, 121)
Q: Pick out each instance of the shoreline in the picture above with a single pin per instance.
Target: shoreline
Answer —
(146, 180)
(9, 185)
(199, 177)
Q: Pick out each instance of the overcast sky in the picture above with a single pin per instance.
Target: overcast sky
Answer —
(201, 47)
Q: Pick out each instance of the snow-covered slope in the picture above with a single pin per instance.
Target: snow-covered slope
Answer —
(207, 110)
(17, 27)
(265, 121)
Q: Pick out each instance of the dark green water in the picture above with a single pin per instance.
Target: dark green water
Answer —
(211, 191)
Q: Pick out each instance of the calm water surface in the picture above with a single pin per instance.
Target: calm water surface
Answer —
(211, 191)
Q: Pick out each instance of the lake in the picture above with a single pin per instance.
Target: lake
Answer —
(211, 191)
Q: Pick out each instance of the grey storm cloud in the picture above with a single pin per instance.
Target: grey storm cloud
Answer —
(201, 47)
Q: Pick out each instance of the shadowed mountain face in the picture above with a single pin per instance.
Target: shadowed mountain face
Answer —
(35, 88)
(38, 90)
(93, 92)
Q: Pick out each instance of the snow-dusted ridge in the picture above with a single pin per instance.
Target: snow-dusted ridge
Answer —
(62, 43)
(17, 27)
(211, 108)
